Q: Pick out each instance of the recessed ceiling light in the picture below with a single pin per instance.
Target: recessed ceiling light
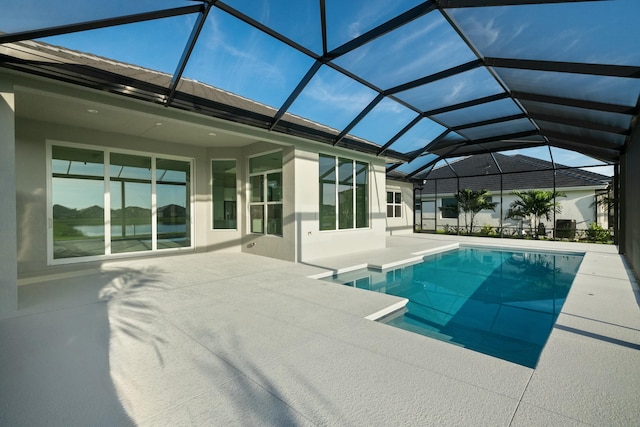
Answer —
(92, 111)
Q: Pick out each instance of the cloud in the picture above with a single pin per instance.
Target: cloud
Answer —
(339, 96)
(456, 91)
(484, 33)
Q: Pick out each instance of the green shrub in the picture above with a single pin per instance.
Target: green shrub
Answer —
(487, 230)
(596, 233)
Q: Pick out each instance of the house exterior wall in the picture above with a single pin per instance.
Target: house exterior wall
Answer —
(225, 239)
(281, 247)
(31, 159)
(314, 243)
(8, 236)
(630, 241)
(301, 239)
(404, 223)
(577, 205)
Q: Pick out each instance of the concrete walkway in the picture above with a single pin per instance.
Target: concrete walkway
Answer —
(235, 339)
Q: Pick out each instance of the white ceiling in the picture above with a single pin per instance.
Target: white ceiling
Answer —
(155, 122)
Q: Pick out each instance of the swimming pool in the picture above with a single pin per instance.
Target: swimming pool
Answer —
(501, 302)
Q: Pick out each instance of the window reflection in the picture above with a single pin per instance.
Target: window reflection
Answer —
(327, 192)
(78, 202)
(351, 193)
(173, 196)
(79, 219)
(362, 195)
(130, 188)
(265, 179)
(224, 194)
(345, 193)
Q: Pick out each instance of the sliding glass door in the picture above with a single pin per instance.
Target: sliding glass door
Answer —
(173, 192)
(131, 214)
(77, 188)
(107, 202)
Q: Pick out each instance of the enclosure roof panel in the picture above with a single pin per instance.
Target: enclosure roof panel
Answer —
(412, 81)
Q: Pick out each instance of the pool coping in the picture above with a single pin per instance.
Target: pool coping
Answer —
(420, 255)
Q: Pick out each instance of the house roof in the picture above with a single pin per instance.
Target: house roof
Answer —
(517, 172)
(413, 81)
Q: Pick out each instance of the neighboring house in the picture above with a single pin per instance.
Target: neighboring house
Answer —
(437, 209)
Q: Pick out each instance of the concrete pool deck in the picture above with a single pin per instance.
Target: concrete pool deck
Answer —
(215, 339)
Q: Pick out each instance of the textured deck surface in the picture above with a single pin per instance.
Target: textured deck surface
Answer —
(215, 339)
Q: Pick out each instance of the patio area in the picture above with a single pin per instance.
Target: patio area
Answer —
(237, 339)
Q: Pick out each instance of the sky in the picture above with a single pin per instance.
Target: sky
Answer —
(236, 57)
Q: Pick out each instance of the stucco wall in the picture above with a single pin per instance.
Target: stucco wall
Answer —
(631, 241)
(403, 224)
(8, 269)
(314, 243)
(281, 247)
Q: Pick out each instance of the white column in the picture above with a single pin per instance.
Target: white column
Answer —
(8, 239)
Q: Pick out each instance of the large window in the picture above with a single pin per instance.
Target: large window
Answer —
(224, 194)
(394, 204)
(265, 194)
(344, 193)
(106, 202)
(449, 207)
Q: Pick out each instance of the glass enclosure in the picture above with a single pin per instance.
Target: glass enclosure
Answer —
(409, 79)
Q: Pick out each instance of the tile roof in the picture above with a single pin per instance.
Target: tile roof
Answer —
(519, 172)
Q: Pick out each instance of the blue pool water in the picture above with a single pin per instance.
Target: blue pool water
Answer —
(499, 302)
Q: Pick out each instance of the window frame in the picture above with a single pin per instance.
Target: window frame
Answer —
(395, 204)
(265, 202)
(235, 189)
(445, 208)
(106, 177)
(355, 210)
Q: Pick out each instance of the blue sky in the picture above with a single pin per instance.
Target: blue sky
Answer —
(236, 57)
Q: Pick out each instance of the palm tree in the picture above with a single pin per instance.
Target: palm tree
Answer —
(470, 202)
(534, 205)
